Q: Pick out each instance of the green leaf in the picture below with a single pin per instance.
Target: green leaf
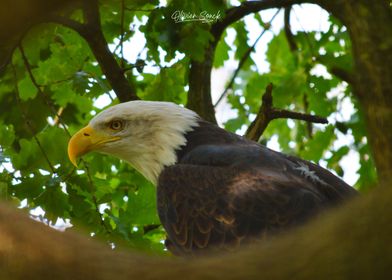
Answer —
(141, 206)
(279, 55)
(316, 147)
(27, 90)
(7, 135)
(54, 202)
(30, 187)
(221, 52)
(333, 161)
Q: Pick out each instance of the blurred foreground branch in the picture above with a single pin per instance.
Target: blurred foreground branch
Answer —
(352, 242)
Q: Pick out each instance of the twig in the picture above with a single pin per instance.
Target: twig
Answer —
(267, 113)
(47, 99)
(287, 30)
(335, 70)
(243, 60)
(148, 228)
(94, 198)
(122, 33)
(309, 125)
(139, 10)
(28, 123)
(308, 40)
(342, 74)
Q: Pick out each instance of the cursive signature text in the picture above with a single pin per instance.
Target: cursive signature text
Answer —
(204, 16)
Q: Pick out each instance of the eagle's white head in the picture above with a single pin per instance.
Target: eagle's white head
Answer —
(144, 133)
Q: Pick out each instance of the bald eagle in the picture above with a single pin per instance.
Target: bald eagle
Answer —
(215, 189)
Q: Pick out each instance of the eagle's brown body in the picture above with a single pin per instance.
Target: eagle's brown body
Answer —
(226, 190)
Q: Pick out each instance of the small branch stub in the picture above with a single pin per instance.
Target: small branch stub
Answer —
(267, 113)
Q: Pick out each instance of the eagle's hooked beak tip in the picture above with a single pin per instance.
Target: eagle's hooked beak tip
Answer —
(73, 161)
(79, 144)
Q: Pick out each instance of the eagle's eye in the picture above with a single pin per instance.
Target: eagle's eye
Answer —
(116, 125)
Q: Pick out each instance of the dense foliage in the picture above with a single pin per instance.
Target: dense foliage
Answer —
(51, 88)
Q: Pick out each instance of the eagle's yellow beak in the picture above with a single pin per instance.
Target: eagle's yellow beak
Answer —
(86, 140)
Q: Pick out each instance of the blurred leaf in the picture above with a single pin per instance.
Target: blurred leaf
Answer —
(27, 90)
(221, 52)
(317, 146)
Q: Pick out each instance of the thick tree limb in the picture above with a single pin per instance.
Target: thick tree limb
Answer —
(267, 113)
(199, 94)
(351, 242)
(369, 25)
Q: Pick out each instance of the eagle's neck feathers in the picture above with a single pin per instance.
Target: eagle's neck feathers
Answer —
(156, 131)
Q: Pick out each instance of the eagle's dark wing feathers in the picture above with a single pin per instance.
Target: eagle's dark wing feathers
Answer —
(222, 196)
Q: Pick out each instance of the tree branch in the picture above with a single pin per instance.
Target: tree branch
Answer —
(31, 250)
(249, 7)
(342, 74)
(47, 99)
(122, 35)
(72, 24)
(199, 94)
(287, 30)
(267, 113)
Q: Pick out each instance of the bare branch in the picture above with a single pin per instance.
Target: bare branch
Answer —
(287, 30)
(267, 113)
(122, 33)
(139, 10)
(342, 74)
(94, 198)
(309, 125)
(285, 114)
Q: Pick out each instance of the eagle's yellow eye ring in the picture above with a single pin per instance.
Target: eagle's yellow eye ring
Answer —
(116, 125)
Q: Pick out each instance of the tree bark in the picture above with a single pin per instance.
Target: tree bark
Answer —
(370, 26)
(334, 246)
(199, 94)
